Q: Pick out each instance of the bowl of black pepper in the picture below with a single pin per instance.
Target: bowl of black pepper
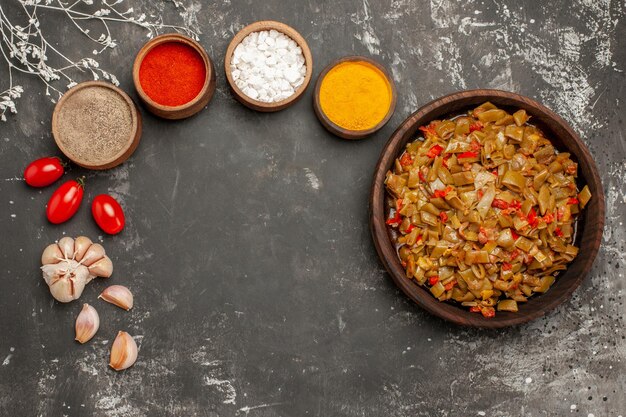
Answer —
(96, 125)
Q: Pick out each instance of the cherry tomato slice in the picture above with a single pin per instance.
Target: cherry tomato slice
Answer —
(65, 201)
(43, 171)
(108, 214)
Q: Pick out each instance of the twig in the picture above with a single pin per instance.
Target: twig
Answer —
(25, 49)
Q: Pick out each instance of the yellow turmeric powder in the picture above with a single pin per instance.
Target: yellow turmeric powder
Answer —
(355, 95)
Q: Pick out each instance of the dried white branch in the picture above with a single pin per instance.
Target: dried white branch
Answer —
(26, 50)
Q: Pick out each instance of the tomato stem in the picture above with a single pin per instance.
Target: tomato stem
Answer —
(61, 161)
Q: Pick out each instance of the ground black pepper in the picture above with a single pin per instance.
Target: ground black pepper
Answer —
(95, 125)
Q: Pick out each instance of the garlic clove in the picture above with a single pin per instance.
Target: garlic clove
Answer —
(81, 244)
(62, 292)
(102, 268)
(123, 352)
(87, 323)
(93, 254)
(119, 296)
(66, 280)
(53, 272)
(90, 278)
(51, 255)
(65, 290)
(81, 277)
(67, 247)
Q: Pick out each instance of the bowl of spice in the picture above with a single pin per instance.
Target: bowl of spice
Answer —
(268, 66)
(174, 76)
(96, 125)
(354, 97)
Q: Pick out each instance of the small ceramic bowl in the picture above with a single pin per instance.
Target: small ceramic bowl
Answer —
(123, 153)
(589, 225)
(184, 110)
(293, 34)
(338, 130)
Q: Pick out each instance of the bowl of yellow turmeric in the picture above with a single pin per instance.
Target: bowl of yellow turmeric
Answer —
(354, 97)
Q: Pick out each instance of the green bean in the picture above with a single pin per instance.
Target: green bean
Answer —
(477, 256)
(412, 237)
(507, 305)
(514, 180)
(414, 178)
(520, 117)
(462, 126)
(492, 115)
(429, 218)
(505, 239)
(463, 178)
(457, 147)
(485, 202)
(514, 132)
(540, 178)
(445, 129)
(544, 199)
(545, 283)
(430, 208)
(439, 250)
(437, 289)
(432, 174)
(506, 120)
(486, 217)
(523, 244)
(410, 269)
(545, 154)
(444, 175)
(584, 196)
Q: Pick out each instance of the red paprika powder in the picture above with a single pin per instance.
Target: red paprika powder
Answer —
(172, 73)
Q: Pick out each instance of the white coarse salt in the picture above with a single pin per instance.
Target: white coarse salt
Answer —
(268, 66)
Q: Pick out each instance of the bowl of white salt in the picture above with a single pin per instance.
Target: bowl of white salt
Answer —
(268, 66)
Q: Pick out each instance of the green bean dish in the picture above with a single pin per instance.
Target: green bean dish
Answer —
(482, 209)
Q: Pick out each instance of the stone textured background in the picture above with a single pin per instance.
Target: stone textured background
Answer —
(257, 287)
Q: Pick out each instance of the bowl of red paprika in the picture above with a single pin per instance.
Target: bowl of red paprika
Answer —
(174, 76)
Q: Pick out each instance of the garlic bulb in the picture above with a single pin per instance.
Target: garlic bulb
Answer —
(118, 295)
(123, 352)
(71, 264)
(87, 323)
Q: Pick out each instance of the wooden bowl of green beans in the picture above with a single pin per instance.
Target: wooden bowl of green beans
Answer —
(586, 229)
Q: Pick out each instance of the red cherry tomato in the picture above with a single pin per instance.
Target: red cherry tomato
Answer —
(108, 214)
(43, 172)
(65, 201)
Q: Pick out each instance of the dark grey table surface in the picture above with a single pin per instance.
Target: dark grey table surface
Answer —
(257, 287)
